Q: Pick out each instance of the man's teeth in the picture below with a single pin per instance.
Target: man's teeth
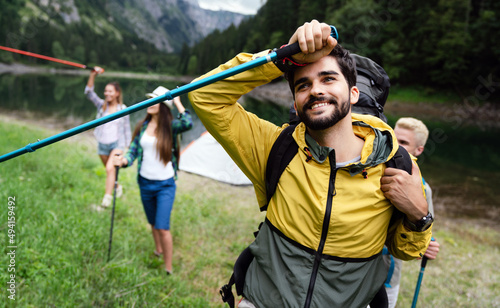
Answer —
(318, 105)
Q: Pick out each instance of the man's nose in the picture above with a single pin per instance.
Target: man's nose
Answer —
(317, 89)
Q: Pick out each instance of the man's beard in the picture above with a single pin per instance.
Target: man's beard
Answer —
(338, 114)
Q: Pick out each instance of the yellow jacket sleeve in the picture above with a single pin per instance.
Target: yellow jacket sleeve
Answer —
(245, 137)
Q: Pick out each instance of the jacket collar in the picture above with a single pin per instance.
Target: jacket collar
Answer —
(378, 148)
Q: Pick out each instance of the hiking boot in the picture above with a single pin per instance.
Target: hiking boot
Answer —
(106, 201)
(119, 191)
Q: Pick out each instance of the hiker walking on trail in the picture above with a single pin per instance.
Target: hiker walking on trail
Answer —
(111, 137)
(329, 217)
(155, 146)
(412, 134)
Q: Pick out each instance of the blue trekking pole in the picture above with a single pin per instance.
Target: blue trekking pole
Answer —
(419, 282)
(282, 53)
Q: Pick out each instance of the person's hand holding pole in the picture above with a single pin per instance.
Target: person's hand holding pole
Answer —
(93, 73)
(97, 70)
(432, 250)
(315, 41)
(119, 160)
(281, 53)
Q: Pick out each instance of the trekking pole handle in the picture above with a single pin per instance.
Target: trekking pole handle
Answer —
(290, 50)
(424, 262)
(424, 259)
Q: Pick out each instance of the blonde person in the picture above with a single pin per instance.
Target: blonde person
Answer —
(155, 146)
(113, 136)
(412, 134)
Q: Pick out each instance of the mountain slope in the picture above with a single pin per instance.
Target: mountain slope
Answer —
(167, 24)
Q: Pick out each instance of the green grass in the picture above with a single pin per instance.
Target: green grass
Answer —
(464, 274)
(62, 244)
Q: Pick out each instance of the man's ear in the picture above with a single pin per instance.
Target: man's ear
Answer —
(419, 150)
(354, 95)
(295, 107)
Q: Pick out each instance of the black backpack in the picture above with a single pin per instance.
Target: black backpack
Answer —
(373, 83)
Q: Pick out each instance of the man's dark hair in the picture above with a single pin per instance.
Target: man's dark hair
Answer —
(346, 63)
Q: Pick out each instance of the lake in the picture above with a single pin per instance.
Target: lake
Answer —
(459, 159)
(61, 96)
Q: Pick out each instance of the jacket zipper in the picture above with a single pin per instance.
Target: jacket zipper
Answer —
(324, 231)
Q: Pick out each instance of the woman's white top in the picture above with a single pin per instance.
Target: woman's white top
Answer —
(152, 168)
(109, 131)
(116, 130)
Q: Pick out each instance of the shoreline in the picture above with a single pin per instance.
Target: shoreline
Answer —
(22, 69)
(483, 116)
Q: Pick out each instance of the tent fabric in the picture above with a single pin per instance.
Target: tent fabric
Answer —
(206, 157)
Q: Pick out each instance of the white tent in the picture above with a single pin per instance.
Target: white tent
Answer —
(206, 157)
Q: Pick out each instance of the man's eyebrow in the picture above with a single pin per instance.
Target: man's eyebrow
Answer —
(299, 81)
(322, 73)
(325, 73)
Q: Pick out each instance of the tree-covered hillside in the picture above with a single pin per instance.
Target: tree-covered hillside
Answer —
(127, 35)
(436, 44)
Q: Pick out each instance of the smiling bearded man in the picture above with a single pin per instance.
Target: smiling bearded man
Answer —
(328, 219)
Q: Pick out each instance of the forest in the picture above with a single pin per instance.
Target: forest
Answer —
(450, 45)
(446, 45)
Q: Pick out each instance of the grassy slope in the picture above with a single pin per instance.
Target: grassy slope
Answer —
(63, 243)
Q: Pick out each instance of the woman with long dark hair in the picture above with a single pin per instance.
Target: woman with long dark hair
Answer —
(112, 137)
(156, 148)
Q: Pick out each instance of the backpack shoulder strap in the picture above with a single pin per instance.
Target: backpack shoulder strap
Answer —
(400, 160)
(283, 151)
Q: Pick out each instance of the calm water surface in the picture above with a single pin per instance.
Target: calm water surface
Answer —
(62, 96)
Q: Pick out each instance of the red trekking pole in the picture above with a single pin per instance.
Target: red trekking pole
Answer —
(31, 54)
